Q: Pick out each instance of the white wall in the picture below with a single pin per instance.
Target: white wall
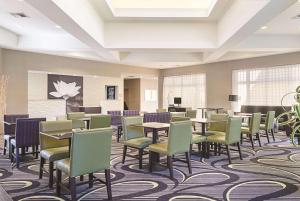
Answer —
(148, 84)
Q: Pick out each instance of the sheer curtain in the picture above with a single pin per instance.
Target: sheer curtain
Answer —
(191, 89)
(266, 86)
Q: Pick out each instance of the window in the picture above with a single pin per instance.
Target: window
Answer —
(266, 86)
(150, 95)
(191, 89)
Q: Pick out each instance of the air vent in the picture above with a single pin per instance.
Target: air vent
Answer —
(19, 15)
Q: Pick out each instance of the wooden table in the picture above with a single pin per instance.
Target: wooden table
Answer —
(209, 108)
(155, 126)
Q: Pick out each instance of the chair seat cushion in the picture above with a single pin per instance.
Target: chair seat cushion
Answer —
(215, 133)
(55, 154)
(140, 142)
(216, 138)
(159, 148)
(64, 165)
(245, 125)
(262, 127)
(8, 137)
(198, 138)
(245, 130)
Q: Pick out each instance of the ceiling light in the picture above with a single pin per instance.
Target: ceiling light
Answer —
(296, 17)
(264, 27)
(57, 26)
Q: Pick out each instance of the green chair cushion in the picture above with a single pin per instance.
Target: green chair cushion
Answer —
(216, 138)
(159, 148)
(245, 130)
(140, 142)
(215, 133)
(54, 154)
(198, 138)
(262, 126)
(64, 165)
(245, 124)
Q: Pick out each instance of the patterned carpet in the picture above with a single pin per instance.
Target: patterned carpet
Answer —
(268, 173)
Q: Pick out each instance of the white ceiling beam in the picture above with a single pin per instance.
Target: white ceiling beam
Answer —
(79, 19)
(8, 39)
(243, 19)
(269, 42)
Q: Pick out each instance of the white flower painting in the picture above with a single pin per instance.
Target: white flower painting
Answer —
(65, 90)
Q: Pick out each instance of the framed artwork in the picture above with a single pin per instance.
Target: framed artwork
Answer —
(111, 92)
(67, 87)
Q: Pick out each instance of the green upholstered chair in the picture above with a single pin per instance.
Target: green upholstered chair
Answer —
(220, 125)
(134, 137)
(96, 142)
(179, 140)
(161, 110)
(178, 114)
(230, 113)
(75, 117)
(269, 125)
(253, 129)
(196, 137)
(52, 149)
(192, 114)
(208, 113)
(100, 121)
(232, 136)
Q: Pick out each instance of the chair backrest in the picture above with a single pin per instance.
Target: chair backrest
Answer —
(90, 151)
(150, 117)
(27, 131)
(114, 112)
(255, 123)
(100, 121)
(191, 113)
(175, 119)
(131, 113)
(270, 120)
(161, 110)
(129, 130)
(233, 130)
(179, 139)
(209, 113)
(52, 127)
(164, 117)
(75, 115)
(12, 118)
(230, 113)
(220, 125)
(178, 114)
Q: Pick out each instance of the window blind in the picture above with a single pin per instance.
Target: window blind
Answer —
(266, 86)
(191, 89)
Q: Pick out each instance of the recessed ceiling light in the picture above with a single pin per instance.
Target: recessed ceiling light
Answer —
(57, 26)
(264, 27)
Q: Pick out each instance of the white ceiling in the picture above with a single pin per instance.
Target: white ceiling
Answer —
(155, 34)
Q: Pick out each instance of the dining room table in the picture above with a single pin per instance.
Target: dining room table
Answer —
(155, 127)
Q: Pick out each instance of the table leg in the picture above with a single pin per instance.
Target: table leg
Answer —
(88, 124)
(203, 128)
(155, 156)
(70, 141)
(203, 115)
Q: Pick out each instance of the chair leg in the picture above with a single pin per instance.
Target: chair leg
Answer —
(228, 153)
(267, 134)
(200, 151)
(215, 148)
(141, 158)
(42, 162)
(272, 132)
(124, 153)
(118, 134)
(11, 150)
(170, 164)
(73, 188)
(81, 177)
(17, 156)
(219, 149)
(242, 138)
(108, 184)
(91, 177)
(58, 182)
(36, 151)
(251, 140)
(4, 147)
(51, 170)
(240, 152)
(258, 138)
(151, 161)
(188, 160)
